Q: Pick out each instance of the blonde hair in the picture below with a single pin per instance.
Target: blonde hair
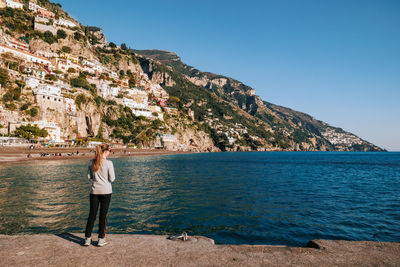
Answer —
(98, 158)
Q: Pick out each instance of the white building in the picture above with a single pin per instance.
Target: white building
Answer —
(106, 90)
(65, 23)
(64, 65)
(32, 82)
(133, 104)
(24, 55)
(45, 54)
(54, 131)
(11, 42)
(48, 90)
(14, 4)
(138, 95)
(139, 109)
(114, 75)
(34, 7)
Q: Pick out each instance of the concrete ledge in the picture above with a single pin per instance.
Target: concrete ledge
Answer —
(153, 250)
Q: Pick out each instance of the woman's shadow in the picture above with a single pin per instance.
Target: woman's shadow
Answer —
(72, 238)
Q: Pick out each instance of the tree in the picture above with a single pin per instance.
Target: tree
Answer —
(34, 112)
(49, 37)
(3, 77)
(80, 82)
(112, 45)
(132, 82)
(66, 49)
(123, 46)
(121, 73)
(51, 77)
(77, 36)
(61, 34)
(29, 132)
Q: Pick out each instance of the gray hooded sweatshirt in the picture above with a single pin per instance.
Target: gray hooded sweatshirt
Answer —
(102, 179)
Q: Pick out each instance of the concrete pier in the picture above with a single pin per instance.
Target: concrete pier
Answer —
(153, 250)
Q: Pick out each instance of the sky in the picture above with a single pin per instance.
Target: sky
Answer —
(337, 60)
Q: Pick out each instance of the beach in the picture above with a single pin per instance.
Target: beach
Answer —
(156, 250)
(11, 155)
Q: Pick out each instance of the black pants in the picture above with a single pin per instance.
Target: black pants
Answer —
(95, 200)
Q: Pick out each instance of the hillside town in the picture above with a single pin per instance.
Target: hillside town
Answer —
(48, 75)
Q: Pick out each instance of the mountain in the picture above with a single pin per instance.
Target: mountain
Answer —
(278, 127)
(66, 78)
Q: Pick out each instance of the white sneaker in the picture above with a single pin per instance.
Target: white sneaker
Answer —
(88, 241)
(102, 242)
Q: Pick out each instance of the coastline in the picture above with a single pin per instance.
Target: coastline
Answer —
(156, 250)
(11, 155)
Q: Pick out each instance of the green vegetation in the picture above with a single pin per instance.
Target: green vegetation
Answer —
(29, 132)
(61, 34)
(16, 20)
(66, 49)
(24, 107)
(81, 99)
(12, 94)
(4, 78)
(48, 37)
(51, 77)
(129, 128)
(78, 36)
(33, 112)
(83, 83)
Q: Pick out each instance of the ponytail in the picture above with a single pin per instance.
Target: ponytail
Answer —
(100, 149)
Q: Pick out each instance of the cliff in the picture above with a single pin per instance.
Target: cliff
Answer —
(71, 79)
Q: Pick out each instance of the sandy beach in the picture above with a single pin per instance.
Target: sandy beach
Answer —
(12, 155)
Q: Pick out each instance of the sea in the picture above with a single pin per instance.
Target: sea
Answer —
(258, 198)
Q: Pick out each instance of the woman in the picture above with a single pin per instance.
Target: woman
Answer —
(101, 173)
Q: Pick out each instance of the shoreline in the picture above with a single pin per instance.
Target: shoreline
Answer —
(12, 156)
(149, 250)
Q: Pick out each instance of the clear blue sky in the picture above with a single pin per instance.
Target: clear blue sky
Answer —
(337, 60)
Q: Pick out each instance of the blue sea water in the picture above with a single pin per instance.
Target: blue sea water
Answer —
(277, 198)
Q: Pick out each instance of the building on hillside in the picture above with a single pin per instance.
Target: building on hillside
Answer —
(156, 109)
(93, 144)
(48, 91)
(171, 111)
(138, 95)
(160, 101)
(114, 75)
(139, 109)
(25, 55)
(64, 65)
(53, 130)
(68, 56)
(22, 46)
(34, 7)
(106, 90)
(41, 20)
(65, 23)
(32, 82)
(13, 4)
(44, 28)
(3, 4)
(133, 104)
(88, 63)
(13, 141)
(45, 54)
(45, 13)
(166, 141)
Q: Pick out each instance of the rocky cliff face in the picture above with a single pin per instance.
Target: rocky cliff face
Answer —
(296, 130)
